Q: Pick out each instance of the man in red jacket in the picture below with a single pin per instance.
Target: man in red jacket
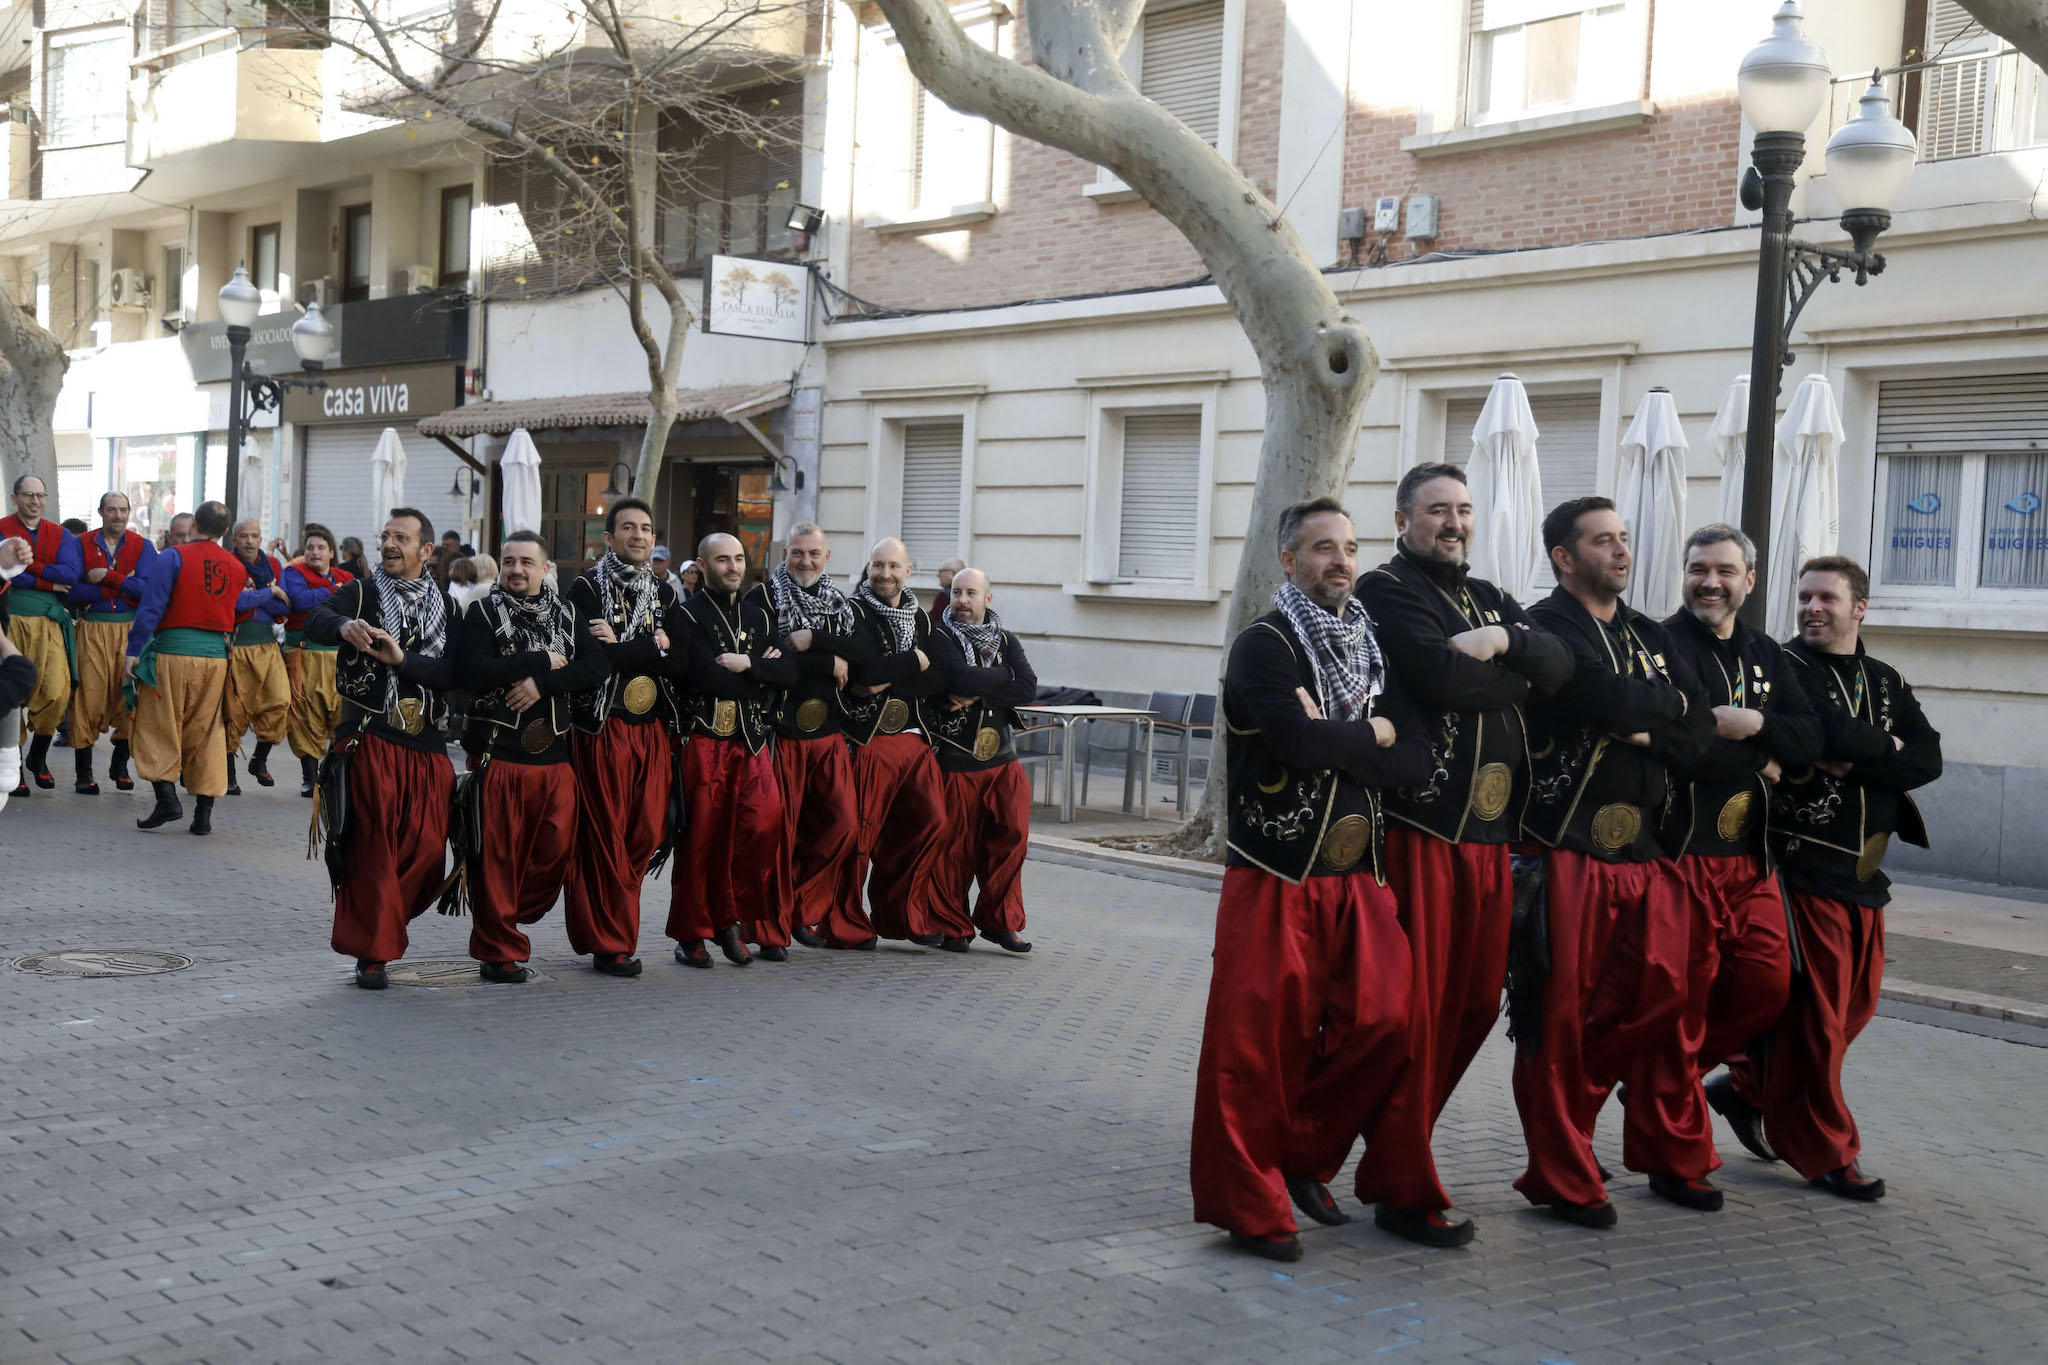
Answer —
(39, 622)
(259, 695)
(117, 562)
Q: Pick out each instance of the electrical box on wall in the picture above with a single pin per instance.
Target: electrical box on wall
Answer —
(1386, 215)
(1422, 217)
(1351, 224)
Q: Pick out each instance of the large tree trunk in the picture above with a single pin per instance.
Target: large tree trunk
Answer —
(2023, 23)
(32, 365)
(1316, 361)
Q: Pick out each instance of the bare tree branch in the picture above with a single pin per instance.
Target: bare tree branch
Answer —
(2023, 23)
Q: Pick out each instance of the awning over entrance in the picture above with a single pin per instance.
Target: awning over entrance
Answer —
(731, 402)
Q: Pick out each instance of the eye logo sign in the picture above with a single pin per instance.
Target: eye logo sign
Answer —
(1927, 504)
(2026, 504)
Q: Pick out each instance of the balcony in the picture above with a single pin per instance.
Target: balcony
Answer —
(14, 156)
(1969, 104)
(219, 88)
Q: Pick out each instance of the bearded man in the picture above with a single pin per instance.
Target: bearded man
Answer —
(259, 694)
(309, 581)
(117, 563)
(39, 622)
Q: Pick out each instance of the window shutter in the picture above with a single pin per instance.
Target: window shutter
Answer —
(1964, 414)
(1162, 469)
(1182, 65)
(1567, 441)
(1955, 99)
(931, 492)
(87, 95)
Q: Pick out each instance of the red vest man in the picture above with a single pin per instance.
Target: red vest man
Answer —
(309, 581)
(117, 563)
(38, 621)
(259, 694)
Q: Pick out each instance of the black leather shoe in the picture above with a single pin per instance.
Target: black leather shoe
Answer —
(234, 785)
(730, 944)
(117, 767)
(1008, 941)
(21, 793)
(693, 953)
(1850, 1183)
(771, 953)
(44, 779)
(504, 973)
(259, 766)
(1745, 1120)
(370, 975)
(807, 936)
(202, 815)
(1428, 1227)
(868, 945)
(957, 945)
(615, 964)
(1313, 1198)
(309, 775)
(1606, 1176)
(1600, 1215)
(1687, 1194)
(82, 782)
(168, 807)
(927, 940)
(1286, 1248)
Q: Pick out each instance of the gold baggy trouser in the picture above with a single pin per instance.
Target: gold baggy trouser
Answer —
(178, 725)
(259, 696)
(41, 641)
(97, 706)
(316, 706)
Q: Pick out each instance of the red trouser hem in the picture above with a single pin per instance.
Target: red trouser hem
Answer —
(732, 867)
(398, 846)
(1806, 1112)
(821, 833)
(623, 776)
(902, 818)
(988, 832)
(529, 842)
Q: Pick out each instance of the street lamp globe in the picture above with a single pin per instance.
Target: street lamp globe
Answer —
(239, 301)
(1784, 79)
(313, 337)
(1872, 156)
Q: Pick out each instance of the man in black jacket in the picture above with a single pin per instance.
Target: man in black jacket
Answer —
(1836, 820)
(731, 876)
(1307, 1026)
(1467, 651)
(1619, 929)
(525, 653)
(988, 797)
(1715, 828)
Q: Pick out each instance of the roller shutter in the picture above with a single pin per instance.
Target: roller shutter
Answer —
(1567, 441)
(931, 492)
(1162, 469)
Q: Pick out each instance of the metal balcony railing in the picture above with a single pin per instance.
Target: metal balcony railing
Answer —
(1965, 104)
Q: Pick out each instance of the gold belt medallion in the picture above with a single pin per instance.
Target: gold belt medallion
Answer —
(1616, 825)
(537, 736)
(812, 714)
(725, 717)
(407, 715)
(1491, 787)
(1734, 819)
(639, 696)
(1872, 857)
(986, 742)
(1345, 843)
(895, 715)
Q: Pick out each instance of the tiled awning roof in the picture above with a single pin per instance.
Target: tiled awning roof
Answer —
(502, 417)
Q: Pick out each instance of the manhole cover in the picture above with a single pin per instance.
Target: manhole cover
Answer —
(130, 963)
(458, 973)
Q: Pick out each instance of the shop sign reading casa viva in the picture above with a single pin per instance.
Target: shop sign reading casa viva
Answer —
(397, 396)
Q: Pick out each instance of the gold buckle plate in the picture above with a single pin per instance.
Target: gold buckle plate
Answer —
(537, 737)
(1733, 821)
(639, 696)
(1872, 856)
(895, 715)
(725, 717)
(1491, 786)
(987, 742)
(812, 714)
(1616, 825)
(408, 715)
(1345, 843)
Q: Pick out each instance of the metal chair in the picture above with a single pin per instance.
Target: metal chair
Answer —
(1200, 724)
(1167, 708)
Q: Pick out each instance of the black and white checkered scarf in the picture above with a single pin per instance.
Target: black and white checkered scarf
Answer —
(983, 643)
(819, 607)
(637, 587)
(902, 620)
(1346, 657)
(412, 612)
(537, 624)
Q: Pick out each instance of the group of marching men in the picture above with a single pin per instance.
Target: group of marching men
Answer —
(1664, 838)
(792, 746)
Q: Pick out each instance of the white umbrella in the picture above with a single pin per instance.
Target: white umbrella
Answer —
(1652, 503)
(387, 476)
(520, 470)
(1506, 489)
(1730, 435)
(249, 495)
(1806, 495)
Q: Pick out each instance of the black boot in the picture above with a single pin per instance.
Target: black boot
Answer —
(259, 764)
(117, 767)
(234, 787)
(734, 948)
(202, 815)
(38, 764)
(309, 774)
(81, 759)
(167, 807)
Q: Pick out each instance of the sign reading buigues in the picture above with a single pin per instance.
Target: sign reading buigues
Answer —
(398, 396)
(770, 300)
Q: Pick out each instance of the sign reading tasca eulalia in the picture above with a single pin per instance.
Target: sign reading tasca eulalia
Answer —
(770, 300)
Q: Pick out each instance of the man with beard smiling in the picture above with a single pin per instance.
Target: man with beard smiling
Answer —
(1764, 727)
(39, 621)
(309, 581)
(259, 695)
(1618, 932)
(117, 563)
(1467, 650)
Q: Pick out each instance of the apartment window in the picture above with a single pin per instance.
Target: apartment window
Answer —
(1159, 496)
(1567, 441)
(1148, 486)
(1532, 57)
(1176, 58)
(932, 464)
(263, 257)
(1979, 96)
(452, 264)
(925, 159)
(1962, 486)
(730, 189)
(171, 286)
(86, 87)
(355, 253)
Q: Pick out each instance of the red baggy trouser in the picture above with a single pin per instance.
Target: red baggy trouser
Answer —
(732, 866)
(397, 846)
(1305, 1039)
(1456, 906)
(529, 843)
(1749, 952)
(902, 819)
(1613, 1008)
(1806, 1115)
(821, 829)
(988, 832)
(622, 787)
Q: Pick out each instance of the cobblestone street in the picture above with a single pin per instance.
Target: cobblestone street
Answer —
(851, 1157)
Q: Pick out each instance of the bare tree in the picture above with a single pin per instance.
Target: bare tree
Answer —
(2023, 23)
(603, 109)
(32, 365)
(1316, 362)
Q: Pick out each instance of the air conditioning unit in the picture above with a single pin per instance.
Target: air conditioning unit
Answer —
(325, 291)
(128, 289)
(416, 279)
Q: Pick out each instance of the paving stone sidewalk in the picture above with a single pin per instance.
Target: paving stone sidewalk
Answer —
(899, 1156)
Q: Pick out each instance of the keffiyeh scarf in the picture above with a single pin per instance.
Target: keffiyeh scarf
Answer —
(818, 607)
(1348, 667)
(537, 624)
(635, 587)
(902, 620)
(411, 611)
(983, 643)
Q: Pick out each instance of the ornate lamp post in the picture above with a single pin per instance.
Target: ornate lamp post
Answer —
(1783, 82)
(249, 392)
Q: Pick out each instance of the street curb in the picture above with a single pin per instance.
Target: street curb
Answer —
(1954, 999)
